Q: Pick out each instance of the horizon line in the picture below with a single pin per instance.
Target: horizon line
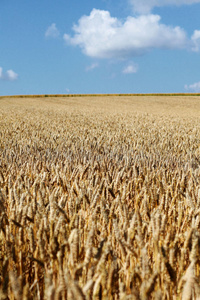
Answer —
(96, 95)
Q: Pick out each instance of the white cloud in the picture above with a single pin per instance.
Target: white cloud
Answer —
(92, 67)
(102, 36)
(52, 31)
(146, 6)
(130, 69)
(195, 87)
(9, 75)
(196, 40)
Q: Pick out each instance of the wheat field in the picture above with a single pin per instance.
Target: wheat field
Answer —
(100, 198)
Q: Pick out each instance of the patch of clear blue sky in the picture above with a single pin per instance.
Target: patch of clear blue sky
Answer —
(48, 66)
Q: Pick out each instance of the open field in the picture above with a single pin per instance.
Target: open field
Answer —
(100, 198)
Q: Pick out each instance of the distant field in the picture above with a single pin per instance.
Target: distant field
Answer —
(100, 197)
(167, 105)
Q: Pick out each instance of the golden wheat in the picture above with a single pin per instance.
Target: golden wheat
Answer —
(100, 199)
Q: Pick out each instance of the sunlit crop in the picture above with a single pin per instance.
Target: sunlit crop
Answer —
(99, 199)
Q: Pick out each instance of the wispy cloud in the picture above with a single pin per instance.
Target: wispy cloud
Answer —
(52, 31)
(195, 87)
(101, 36)
(92, 67)
(146, 6)
(130, 69)
(9, 75)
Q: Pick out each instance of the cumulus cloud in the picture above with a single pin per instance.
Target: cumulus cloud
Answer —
(92, 66)
(195, 87)
(101, 36)
(9, 75)
(130, 69)
(52, 31)
(146, 6)
(196, 41)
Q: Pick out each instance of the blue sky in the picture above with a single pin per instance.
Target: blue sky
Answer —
(104, 46)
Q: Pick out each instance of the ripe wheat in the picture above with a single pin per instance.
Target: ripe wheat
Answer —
(98, 204)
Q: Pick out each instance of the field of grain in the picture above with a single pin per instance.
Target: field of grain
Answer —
(100, 198)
